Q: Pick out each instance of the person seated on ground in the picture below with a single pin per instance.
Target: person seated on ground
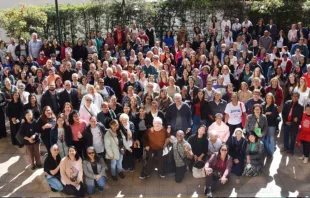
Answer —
(237, 146)
(220, 127)
(214, 143)
(155, 141)
(218, 169)
(181, 152)
(199, 144)
(254, 156)
(94, 169)
(52, 169)
(71, 173)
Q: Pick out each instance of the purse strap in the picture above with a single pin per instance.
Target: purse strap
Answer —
(88, 111)
(183, 159)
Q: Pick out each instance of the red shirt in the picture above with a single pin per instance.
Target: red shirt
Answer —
(308, 79)
(42, 62)
(197, 109)
(289, 118)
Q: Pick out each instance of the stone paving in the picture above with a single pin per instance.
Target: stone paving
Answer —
(283, 176)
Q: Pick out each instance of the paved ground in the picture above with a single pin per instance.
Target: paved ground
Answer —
(283, 176)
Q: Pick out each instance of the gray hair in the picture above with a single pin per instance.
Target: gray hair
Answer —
(123, 116)
(213, 133)
(157, 119)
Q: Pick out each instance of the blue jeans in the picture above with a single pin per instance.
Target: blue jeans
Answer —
(54, 182)
(197, 123)
(269, 141)
(117, 164)
(100, 183)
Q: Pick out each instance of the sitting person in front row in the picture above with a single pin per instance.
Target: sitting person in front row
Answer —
(218, 168)
(254, 156)
(94, 170)
(51, 168)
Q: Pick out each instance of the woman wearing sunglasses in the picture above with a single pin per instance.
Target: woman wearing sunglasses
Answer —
(52, 169)
(94, 170)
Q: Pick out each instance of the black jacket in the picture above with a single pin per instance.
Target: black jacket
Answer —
(297, 112)
(49, 100)
(68, 75)
(36, 111)
(72, 98)
(106, 118)
(79, 52)
(271, 119)
(87, 138)
(204, 108)
(113, 82)
(15, 110)
(17, 50)
(149, 119)
(68, 135)
(25, 131)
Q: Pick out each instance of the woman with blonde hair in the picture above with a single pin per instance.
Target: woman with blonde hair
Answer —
(244, 94)
(304, 91)
(163, 79)
(257, 73)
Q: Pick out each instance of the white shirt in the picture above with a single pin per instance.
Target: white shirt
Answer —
(303, 96)
(236, 27)
(234, 113)
(97, 139)
(248, 24)
(224, 24)
(11, 49)
(226, 79)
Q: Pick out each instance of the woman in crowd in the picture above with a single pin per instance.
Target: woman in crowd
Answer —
(71, 173)
(77, 126)
(39, 93)
(15, 114)
(31, 139)
(257, 85)
(164, 100)
(257, 73)
(68, 108)
(220, 127)
(115, 146)
(115, 106)
(61, 135)
(52, 169)
(237, 147)
(217, 168)
(246, 74)
(303, 90)
(233, 113)
(2, 115)
(94, 169)
(214, 143)
(44, 125)
(254, 156)
(304, 134)
(257, 122)
(244, 94)
(89, 109)
(274, 87)
(289, 86)
(172, 88)
(128, 129)
(33, 106)
(83, 87)
(271, 112)
(199, 107)
(199, 144)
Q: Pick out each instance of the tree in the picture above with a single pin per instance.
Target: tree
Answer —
(19, 22)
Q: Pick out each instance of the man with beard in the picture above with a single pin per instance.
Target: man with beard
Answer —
(49, 98)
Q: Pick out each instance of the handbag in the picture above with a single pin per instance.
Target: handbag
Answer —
(199, 170)
(243, 116)
(121, 150)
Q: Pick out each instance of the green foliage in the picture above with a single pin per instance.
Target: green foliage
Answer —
(19, 21)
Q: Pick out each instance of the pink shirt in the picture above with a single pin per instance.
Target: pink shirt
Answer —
(75, 128)
(222, 131)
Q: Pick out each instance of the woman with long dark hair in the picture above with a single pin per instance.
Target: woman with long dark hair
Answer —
(61, 135)
(199, 107)
(289, 86)
(33, 106)
(15, 114)
(77, 127)
(199, 143)
(94, 169)
(218, 168)
(44, 125)
(71, 173)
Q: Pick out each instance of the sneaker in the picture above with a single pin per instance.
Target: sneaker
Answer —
(126, 169)
(162, 175)
(143, 175)
(121, 175)
(132, 170)
(301, 157)
(114, 177)
(208, 192)
(305, 160)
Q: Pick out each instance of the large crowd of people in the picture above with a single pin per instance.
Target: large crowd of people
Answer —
(205, 105)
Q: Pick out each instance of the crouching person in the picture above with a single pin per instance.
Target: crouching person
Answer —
(94, 171)
(218, 169)
(51, 168)
(182, 153)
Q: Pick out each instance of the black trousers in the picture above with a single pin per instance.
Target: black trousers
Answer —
(79, 147)
(46, 140)
(71, 190)
(128, 159)
(2, 124)
(179, 173)
(14, 129)
(155, 156)
(305, 148)
(232, 128)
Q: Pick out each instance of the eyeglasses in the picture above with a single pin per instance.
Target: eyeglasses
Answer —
(91, 153)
